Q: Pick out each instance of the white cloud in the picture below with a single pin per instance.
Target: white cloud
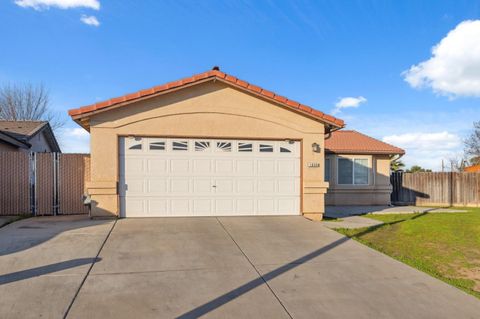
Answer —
(454, 68)
(90, 20)
(427, 149)
(74, 140)
(62, 4)
(346, 102)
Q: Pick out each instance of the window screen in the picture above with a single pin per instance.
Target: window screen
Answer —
(360, 171)
(345, 171)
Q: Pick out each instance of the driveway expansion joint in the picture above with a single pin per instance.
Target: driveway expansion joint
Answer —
(255, 268)
(89, 270)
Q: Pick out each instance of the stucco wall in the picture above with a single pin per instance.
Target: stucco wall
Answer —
(377, 192)
(213, 110)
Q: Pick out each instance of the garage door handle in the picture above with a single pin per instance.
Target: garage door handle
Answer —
(214, 186)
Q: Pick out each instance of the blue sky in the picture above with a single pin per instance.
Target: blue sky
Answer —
(316, 52)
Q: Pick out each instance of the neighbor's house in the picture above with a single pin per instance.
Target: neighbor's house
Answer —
(357, 168)
(30, 136)
(207, 145)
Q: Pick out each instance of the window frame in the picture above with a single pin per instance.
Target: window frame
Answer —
(329, 170)
(352, 161)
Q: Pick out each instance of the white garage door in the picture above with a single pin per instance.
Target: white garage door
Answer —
(205, 177)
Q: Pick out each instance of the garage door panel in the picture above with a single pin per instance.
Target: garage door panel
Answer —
(157, 206)
(202, 206)
(223, 166)
(266, 186)
(180, 206)
(203, 186)
(134, 166)
(287, 167)
(266, 167)
(245, 168)
(179, 165)
(224, 206)
(202, 166)
(246, 186)
(181, 185)
(157, 165)
(156, 186)
(201, 177)
(245, 206)
(266, 206)
(224, 186)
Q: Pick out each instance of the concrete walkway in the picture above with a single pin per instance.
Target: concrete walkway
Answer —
(343, 211)
(236, 267)
(5, 220)
(351, 222)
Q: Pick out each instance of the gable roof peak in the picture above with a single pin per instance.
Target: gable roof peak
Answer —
(213, 74)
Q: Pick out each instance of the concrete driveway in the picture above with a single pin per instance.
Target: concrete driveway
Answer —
(245, 267)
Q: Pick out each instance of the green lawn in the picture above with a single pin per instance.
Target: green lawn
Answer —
(447, 246)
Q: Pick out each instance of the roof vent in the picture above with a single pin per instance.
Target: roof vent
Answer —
(216, 68)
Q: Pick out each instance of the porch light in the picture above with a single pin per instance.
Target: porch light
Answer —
(316, 148)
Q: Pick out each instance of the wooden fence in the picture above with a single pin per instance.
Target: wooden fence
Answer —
(43, 183)
(436, 189)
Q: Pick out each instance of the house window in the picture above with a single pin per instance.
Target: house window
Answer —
(353, 171)
(327, 170)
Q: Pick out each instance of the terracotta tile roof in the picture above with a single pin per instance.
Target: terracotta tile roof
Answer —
(473, 169)
(21, 130)
(202, 77)
(353, 142)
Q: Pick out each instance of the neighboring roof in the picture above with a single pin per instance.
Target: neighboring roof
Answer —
(6, 138)
(23, 131)
(472, 169)
(353, 142)
(214, 74)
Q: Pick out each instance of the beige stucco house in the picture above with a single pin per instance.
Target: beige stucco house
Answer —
(207, 145)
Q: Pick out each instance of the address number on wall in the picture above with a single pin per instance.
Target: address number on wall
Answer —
(313, 164)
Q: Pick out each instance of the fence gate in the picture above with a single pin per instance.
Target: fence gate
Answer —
(43, 183)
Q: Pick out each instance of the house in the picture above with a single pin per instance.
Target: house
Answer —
(357, 168)
(208, 145)
(31, 136)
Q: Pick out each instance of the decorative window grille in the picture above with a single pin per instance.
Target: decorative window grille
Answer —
(245, 147)
(201, 146)
(180, 145)
(266, 148)
(224, 146)
(157, 146)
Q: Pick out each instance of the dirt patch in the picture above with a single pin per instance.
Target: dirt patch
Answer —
(472, 274)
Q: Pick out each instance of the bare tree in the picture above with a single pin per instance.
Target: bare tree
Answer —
(457, 164)
(472, 144)
(27, 102)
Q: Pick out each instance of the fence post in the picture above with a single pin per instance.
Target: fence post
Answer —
(32, 173)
